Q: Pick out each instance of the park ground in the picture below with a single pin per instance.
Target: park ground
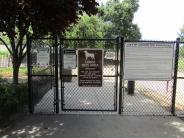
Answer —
(95, 126)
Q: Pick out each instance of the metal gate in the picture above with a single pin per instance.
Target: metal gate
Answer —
(42, 75)
(75, 98)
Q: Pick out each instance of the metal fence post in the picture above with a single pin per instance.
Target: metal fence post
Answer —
(30, 95)
(121, 44)
(175, 75)
(116, 72)
(61, 71)
(56, 75)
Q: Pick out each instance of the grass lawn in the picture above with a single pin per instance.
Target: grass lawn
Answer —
(181, 65)
(8, 71)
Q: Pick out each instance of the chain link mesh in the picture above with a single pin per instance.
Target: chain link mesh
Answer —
(92, 98)
(179, 103)
(149, 98)
(42, 77)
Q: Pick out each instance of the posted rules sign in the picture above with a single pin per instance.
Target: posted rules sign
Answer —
(148, 61)
(90, 67)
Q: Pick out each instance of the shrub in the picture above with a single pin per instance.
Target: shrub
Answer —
(12, 98)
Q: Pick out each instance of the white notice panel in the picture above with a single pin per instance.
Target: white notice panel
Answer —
(43, 56)
(148, 61)
(69, 59)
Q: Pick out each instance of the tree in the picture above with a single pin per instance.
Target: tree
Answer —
(120, 17)
(19, 18)
(181, 36)
(87, 27)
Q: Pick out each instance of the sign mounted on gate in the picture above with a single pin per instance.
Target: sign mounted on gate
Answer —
(43, 56)
(69, 58)
(148, 60)
(90, 67)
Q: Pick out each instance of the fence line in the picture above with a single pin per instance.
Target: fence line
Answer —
(5, 61)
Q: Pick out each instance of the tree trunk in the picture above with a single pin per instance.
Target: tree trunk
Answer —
(16, 67)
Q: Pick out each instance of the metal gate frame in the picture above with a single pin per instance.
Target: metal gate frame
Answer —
(53, 75)
(62, 40)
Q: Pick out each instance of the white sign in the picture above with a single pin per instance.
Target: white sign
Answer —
(69, 59)
(110, 54)
(148, 61)
(43, 56)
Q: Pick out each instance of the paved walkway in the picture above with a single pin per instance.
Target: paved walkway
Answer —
(96, 126)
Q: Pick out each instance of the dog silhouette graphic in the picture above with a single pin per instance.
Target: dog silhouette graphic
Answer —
(89, 56)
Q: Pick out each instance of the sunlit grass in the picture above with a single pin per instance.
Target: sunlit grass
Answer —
(181, 65)
(8, 71)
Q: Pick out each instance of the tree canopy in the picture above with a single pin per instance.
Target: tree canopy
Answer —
(181, 34)
(87, 27)
(37, 17)
(120, 15)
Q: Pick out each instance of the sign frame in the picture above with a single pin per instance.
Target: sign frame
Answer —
(90, 67)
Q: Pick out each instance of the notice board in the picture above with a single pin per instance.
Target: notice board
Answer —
(148, 60)
(43, 56)
(69, 58)
(90, 67)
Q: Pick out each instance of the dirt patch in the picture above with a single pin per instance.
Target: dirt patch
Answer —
(162, 99)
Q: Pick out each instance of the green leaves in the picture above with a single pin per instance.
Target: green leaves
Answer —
(181, 34)
(120, 16)
(19, 18)
(87, 27)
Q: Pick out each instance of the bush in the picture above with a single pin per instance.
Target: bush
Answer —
(12, 98)
(2, 80)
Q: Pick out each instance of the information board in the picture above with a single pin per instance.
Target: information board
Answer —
(43, 56)
(69, 58)
(148, 60)
(90, 67)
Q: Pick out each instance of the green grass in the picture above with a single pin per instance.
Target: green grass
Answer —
(7, 71)
(181, 65)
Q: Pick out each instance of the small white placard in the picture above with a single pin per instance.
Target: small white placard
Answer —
(148, 61)
(69, 59)
(43, 56)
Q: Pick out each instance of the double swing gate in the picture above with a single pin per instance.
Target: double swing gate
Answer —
(136, 77)
(53, 88)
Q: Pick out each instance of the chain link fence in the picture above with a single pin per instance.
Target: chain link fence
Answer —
(148, 98)
(5, 61)
(103, 98)
(42, 75)
(180, 81)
